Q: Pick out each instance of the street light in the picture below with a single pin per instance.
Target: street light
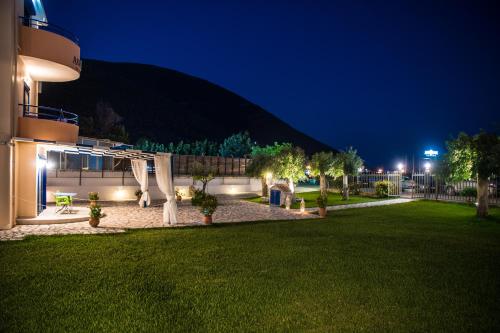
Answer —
(401, 167)
(427, 166)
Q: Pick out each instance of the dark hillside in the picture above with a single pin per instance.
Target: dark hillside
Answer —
(165, 105)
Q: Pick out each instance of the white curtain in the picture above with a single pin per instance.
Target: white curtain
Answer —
(140, 170)
(165, 184)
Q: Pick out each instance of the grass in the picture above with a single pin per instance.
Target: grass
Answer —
(333, 199)
(421, 266)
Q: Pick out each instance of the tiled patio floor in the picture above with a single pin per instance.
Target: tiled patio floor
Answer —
(128, 215)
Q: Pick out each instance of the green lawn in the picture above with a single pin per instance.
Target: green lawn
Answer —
(333, 199)
(421, 266)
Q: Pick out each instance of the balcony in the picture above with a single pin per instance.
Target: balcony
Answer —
(49, 52)
(45, 123)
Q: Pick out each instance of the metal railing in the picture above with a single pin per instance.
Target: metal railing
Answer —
(37, 24)
(44, 112)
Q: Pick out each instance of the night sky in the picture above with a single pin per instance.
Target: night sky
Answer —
(390, 78)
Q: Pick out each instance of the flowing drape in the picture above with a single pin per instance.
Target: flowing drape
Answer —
(140, 170)
(164, 180)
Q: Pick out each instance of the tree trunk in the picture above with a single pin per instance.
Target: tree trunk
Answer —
(482, 197)
(322, 184)
(345, 187)
(292, 187)
(263, 181)
(204, 184)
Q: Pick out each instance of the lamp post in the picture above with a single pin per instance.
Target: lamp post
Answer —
(427, 167)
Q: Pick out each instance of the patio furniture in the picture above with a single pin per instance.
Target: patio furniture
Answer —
(65, 201)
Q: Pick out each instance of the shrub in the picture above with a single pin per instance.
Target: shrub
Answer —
(93, 196)
(95, 211)
(382, 188)
(468, 192)
(198, 197)
(354, 188)
(208, 205)
(322, 201)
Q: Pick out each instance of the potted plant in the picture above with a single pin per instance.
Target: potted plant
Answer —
(208, 207)
(95, 215)
(178, 195)
(322, 202)
(93, 197)
(138, 194)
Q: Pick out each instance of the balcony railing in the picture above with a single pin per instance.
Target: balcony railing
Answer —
(37, 24)
(44, 112)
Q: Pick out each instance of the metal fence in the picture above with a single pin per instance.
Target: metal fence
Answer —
(366, 182)
(429, 186)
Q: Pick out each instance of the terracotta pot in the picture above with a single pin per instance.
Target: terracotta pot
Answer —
(93, 203)
(207, 219)
(94, 222)
(322, 211)
(179, 198)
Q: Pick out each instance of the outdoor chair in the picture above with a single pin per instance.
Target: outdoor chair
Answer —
(64, 202)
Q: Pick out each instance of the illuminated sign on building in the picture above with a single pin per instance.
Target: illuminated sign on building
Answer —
(431, 153)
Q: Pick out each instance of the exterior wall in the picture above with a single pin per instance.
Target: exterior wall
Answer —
(9, 11)
(113, 187)
(26, 198)
(23, 77)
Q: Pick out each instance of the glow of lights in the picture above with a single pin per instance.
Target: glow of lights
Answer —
(400, 166)
(50, 165)
(120, 193)
(269, 175)
(427, 166)
(232, 190)
(431, 153)
(302, 206)
(379, 171)
(41, 163)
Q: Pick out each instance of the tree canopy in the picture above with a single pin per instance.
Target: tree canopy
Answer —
(237, 145)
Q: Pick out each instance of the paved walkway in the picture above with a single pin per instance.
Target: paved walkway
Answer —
(121, 216)
(365, 204)
(128, 215)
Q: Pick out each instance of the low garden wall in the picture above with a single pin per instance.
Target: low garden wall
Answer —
(116, 186)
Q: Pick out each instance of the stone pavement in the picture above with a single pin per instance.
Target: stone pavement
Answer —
(121, 216)
(365, 204)
(128, 215)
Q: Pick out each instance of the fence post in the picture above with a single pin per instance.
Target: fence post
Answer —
(81, 161)
(123, 171)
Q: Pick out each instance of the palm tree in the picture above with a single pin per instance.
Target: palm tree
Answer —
(350, 163)
(321, 163)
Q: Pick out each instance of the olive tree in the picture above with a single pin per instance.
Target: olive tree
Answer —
(290, 164)
(263, 162)
(474, 157)
(203, 174)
